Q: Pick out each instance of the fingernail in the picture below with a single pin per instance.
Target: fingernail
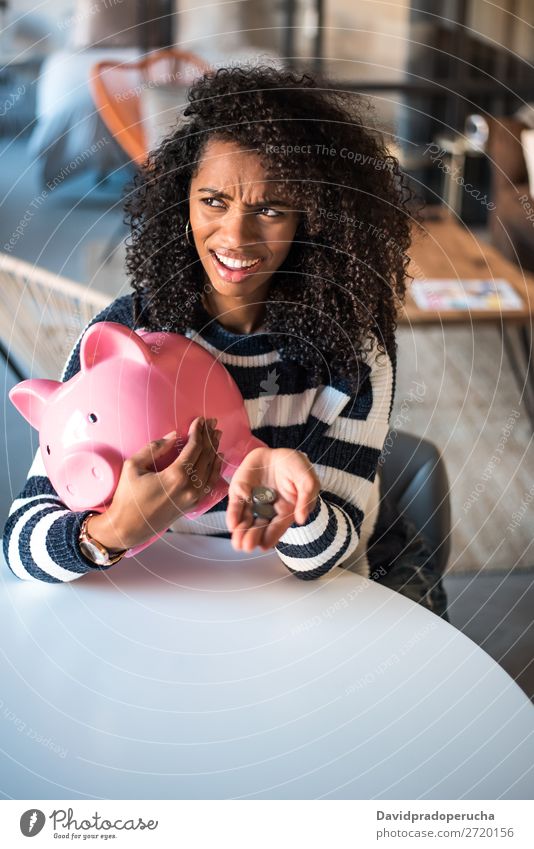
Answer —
(170, 434)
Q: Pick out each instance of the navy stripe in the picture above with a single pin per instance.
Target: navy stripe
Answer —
(63, 537)
(38, 485)
(237, 344)
(354, 512)
(312, 574)
(24, 545)
(15, 516)
(355, 459)
(273, 379)
(360, 405)
(291, 436)
(312, 549)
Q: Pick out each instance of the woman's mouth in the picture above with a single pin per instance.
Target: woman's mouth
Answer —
(234, 269)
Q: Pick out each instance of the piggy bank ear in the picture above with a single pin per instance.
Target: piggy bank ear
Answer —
(31, 397)
(107, 339)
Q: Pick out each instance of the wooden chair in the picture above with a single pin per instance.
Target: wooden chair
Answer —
(41, 317)
(116, 88)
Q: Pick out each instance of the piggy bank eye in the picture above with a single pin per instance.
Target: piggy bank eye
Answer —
(48, 449)
(92, 417)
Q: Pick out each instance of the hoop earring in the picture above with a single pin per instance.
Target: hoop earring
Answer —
(187, 231)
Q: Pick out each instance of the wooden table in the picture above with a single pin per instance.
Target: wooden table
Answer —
(198, 672)
(442, 248)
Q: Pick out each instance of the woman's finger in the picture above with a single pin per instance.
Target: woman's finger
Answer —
(253, 536)
(192, 448)
(239, 505)
(144, 459)
(307, 492)
(208, 456)
(277, 527)
(214, 475)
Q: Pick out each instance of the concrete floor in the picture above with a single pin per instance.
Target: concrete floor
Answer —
(494, 610)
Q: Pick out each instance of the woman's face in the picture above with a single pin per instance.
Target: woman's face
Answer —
(241, 223)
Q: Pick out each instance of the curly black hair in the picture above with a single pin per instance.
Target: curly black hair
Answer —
(344, 276)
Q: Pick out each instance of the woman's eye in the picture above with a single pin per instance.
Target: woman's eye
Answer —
(269, 212)
(213, 203)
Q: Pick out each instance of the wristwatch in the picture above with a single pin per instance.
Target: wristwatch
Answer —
(94, 550)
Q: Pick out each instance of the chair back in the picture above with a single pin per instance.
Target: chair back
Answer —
(414, 477)
(117, 88)
(41, 317)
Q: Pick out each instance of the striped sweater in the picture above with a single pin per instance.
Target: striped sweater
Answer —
(341, 431)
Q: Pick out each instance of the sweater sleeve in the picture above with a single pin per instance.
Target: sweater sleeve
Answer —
(345, 455)
(40, 541)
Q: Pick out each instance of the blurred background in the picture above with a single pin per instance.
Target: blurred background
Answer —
(88, 87)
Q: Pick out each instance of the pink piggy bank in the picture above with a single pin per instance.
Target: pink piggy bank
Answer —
(132, 388)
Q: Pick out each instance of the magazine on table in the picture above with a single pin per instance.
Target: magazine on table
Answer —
(453, 294)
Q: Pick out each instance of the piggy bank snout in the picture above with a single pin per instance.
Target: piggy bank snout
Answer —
(89, 477)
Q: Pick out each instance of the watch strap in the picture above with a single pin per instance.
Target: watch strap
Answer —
(108, 557)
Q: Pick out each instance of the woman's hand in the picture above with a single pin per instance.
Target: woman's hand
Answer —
(146, 501)
(287, 471)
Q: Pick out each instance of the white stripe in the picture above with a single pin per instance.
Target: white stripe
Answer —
(247, 361)
(381, 378)
(20, 502)
(357, 432)
(15, 562)
(328, 403)
(308, 533)
(40, 553)
(352, 488)
(358, 562)
(208, 523)
(37, 467)
(280, 410)
(382, 383)
(307, 564)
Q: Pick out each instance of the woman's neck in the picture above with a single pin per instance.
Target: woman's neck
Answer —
(235, 314)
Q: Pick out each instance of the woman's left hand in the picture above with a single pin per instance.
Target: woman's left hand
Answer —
(285, 470)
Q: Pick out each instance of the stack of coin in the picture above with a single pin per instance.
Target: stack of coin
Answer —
(263, 498)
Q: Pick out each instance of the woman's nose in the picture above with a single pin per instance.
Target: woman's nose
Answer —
(239, 227)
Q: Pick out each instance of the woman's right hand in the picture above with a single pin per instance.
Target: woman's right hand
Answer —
(146, 502)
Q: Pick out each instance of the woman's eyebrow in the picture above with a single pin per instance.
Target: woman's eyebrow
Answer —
(264, 202)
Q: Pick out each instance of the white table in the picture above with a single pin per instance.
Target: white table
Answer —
(198, 672)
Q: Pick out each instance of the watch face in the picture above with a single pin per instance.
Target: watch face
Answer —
(93, 553)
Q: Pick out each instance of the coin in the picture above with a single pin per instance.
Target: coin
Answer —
(263, 495)
(263, 498)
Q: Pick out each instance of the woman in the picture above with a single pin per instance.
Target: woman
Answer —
(272, 228)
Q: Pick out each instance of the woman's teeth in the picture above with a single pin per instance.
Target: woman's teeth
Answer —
(236, 263)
